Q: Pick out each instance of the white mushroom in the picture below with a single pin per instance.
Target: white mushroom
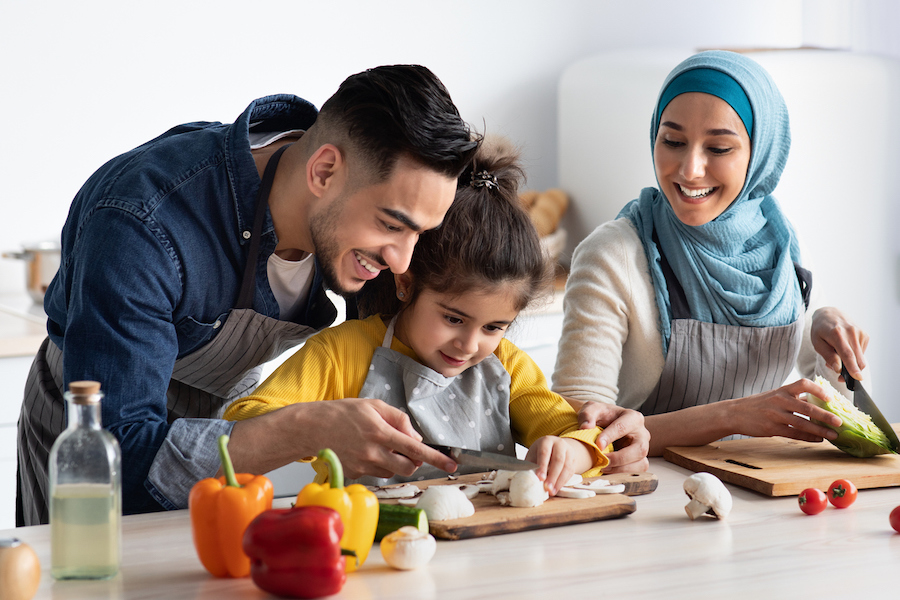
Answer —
(444, 502)
(526, 490)
(574, 492)
(408, 548)
(470, 490)
(609, 489)
(708, 496)
(574, 480)
(501, 481)
(398, 490)
(590, 485)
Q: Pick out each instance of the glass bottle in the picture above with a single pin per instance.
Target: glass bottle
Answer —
(85, 492)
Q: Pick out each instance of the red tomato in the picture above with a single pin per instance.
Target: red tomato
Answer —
(841, 493)
(812, 501)
(895, 519)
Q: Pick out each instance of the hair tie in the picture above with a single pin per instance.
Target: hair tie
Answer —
(484, 179)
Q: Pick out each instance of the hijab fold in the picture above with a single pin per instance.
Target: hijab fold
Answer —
(738, 269)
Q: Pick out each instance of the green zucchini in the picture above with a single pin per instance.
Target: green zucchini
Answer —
(392, 517)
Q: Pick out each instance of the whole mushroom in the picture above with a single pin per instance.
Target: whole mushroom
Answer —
(408, 548)
(708, 496)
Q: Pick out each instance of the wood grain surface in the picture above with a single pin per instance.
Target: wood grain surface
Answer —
(783, 467)
(491, 518)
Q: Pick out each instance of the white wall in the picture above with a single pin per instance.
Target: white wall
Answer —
(84, 81)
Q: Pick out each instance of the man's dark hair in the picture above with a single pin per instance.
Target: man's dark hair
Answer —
(389, 111)
(486, 240)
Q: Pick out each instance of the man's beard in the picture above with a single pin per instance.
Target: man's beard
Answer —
(323, 228)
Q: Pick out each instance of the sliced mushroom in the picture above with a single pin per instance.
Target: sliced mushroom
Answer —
(574, 480)
(596, 484)
(610, 489)
(574, 492)
(393, 492)
(502, 481)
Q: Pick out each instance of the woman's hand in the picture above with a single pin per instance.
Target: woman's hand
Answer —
(779, 412)
(623, 428)
(839, 341)
(557, 460)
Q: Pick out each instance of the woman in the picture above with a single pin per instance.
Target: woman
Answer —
(692, 305)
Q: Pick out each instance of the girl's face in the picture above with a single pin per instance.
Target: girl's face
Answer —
(701, 155)
(451, 333)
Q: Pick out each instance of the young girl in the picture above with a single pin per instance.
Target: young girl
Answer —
(435, 347)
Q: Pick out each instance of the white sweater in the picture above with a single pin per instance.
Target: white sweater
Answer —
(611, 348)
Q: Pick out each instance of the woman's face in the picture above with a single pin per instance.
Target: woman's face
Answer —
(701, 155)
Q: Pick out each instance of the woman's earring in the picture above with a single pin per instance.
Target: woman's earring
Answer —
(401, 295)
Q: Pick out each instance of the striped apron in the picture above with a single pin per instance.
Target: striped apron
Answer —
(708, 362)
(203, 383)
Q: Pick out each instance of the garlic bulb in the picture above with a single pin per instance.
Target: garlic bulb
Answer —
(444, 502)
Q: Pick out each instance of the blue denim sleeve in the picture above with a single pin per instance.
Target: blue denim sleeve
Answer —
(122, 283)
(189, 453)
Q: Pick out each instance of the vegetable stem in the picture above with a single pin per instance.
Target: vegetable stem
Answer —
(335, 470)
(227, 465)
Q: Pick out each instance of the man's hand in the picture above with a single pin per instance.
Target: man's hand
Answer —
(623, 428)
(369, 436)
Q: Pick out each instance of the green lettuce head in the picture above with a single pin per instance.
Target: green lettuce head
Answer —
(858, 435)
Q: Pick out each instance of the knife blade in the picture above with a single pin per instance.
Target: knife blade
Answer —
(487, 460)
(864, 402)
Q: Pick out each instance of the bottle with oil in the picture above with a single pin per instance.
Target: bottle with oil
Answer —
(85, 492)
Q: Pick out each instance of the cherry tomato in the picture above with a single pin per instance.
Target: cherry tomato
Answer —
(895, 519)
(812, 501)
(842, 493)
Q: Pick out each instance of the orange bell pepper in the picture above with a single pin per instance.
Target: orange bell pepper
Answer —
(357, 506)
(221, 508)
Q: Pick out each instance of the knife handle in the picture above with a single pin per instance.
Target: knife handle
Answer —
(848, 381)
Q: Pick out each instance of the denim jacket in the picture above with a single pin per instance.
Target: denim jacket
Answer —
(153, 252)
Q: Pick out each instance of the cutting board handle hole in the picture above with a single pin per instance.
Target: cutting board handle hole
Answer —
(740, 464)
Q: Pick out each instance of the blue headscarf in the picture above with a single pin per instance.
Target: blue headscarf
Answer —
(738, 269)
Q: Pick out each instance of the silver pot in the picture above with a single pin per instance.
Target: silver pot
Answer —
(42, 263)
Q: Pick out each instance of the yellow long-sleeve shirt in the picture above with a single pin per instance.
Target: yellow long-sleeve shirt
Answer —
(334, 364)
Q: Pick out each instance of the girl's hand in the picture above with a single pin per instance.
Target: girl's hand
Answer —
(557, 460)
(623, 428)
(780, 412)
(839, 341)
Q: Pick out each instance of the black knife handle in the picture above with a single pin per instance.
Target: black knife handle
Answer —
(848, 381)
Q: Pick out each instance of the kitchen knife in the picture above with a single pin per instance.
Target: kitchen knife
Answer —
(487, 460)
(864, 402)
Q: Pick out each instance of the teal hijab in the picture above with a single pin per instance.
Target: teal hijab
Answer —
(738, 269)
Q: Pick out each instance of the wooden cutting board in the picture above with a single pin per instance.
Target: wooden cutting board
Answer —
(492, 519)
(784, 467)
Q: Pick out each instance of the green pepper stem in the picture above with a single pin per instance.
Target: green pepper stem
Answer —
(345, 552)
(227, 465)
(335, 470)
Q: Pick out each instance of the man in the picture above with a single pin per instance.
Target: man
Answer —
(181, 274)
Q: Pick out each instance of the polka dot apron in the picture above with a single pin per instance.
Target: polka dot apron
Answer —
(470, 410)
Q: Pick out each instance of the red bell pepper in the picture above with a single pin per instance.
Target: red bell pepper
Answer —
(296, 552)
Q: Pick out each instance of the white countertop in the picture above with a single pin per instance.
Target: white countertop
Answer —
(23, 325)
(767, 548)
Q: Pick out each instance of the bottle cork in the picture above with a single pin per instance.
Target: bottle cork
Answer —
(86, 390)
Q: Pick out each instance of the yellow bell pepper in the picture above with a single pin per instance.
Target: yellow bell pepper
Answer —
(357, 506)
